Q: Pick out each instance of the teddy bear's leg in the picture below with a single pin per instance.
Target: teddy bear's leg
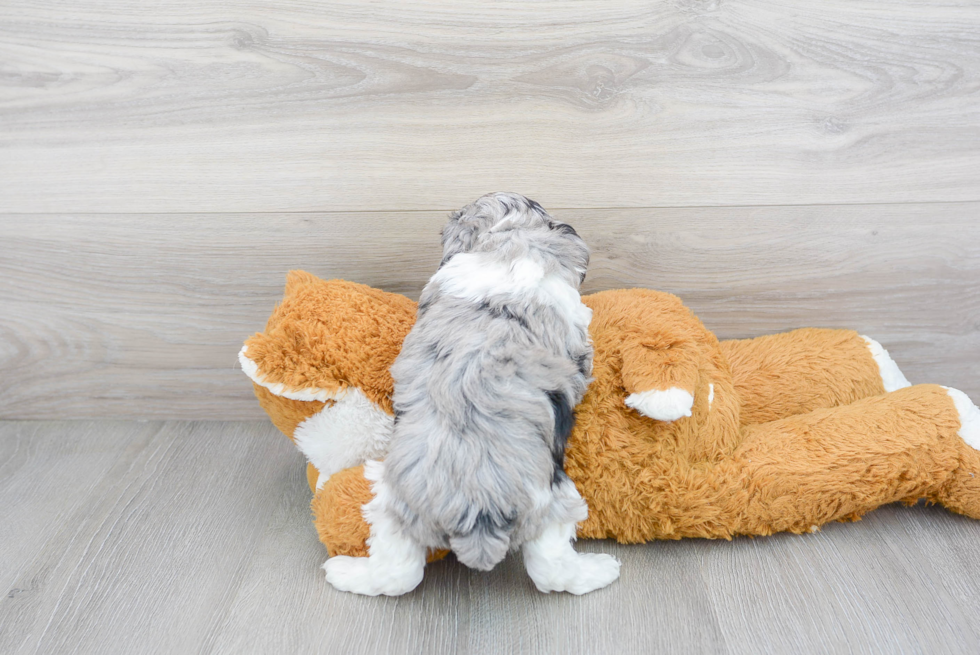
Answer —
(961, 493)
(796, 372)
(395, 563)
(892, 378)
(338, 512)
(803, 471)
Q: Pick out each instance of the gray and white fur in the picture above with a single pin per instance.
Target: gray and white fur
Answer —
(486, 382)
(485, 386)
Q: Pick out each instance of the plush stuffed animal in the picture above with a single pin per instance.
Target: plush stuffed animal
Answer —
(679, 435)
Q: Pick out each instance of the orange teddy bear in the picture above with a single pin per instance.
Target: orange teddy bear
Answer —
(679, 434)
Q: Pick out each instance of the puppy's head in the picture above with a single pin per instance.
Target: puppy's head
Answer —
(514, 225)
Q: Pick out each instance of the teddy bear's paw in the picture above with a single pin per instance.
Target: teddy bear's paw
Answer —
(969, 417)
(892, 377)
(362, 575)
(580, 574)
(668, 405)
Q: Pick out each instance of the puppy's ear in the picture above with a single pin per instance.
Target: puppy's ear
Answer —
(459, 235)
(574, 251)
(581, 270)
(564, 228)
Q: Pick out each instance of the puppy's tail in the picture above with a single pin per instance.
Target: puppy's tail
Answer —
(485, 545)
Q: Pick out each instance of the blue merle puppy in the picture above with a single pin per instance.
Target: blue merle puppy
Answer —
(484, 390)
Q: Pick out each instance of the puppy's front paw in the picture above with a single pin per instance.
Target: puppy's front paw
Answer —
(361, 575)
(668, 405)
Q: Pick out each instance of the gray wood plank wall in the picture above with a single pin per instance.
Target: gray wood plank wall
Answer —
(211, 105)
(777, 165)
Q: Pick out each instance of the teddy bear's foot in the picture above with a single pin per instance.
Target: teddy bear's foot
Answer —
(969, 417)
(361, 575)
(668, 405)
(892, 377)
(961, 491)
(553, 564)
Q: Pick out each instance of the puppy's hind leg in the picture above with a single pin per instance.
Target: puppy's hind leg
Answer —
(395, 563)
(554, 565)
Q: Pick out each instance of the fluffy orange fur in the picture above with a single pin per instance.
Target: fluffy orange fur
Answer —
(337, 512)
(333, 335)
(798, 430)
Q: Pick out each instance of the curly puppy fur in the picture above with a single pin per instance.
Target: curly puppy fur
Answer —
(484, 388)
(486, 382)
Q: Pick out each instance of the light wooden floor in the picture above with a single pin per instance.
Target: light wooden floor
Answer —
(195, 537)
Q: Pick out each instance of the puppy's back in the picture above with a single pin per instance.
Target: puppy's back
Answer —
(475, 451)
(485, 385)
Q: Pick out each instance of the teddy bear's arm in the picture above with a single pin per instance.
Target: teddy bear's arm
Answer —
(338, 517)
(660, 377)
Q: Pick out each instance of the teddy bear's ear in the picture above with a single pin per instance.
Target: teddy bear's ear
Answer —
(289, 364)
(287, 393)
(297, 279)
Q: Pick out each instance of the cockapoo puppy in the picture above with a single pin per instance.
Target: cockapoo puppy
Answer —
(485, 385)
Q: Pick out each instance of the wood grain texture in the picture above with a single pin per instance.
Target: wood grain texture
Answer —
(331, 106)
(167, 537)
(142, 316)
(147, 555)
(48, 475)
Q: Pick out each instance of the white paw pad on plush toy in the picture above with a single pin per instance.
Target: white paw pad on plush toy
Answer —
(668, 405)
(969, 417)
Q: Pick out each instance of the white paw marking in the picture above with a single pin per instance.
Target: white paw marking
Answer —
(396, 563)
(668, 405)
(589, 572)
(969, 417)
(251, 369)
(553, 564)
(360, 575)
(891, 376)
